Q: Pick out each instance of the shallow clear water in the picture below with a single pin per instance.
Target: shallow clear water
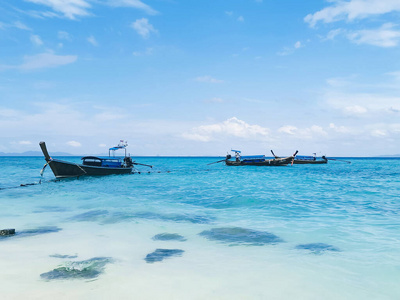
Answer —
(297, 232)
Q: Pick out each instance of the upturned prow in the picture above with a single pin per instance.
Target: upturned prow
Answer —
(44, 150)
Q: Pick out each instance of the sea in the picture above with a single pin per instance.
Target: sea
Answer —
(185, 229)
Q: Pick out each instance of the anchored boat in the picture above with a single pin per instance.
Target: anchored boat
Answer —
(255, 160)
(302, 160)
(91, 165)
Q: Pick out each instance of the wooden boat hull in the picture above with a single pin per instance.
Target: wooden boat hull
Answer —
(64, 169)
(268, 162)
(309, 162)
(299, 161)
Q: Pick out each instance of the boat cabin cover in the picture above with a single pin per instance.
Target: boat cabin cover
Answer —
(109, 162)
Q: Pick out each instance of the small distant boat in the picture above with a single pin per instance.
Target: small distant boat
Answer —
(91, 165)
(255, 160)
(302, 160)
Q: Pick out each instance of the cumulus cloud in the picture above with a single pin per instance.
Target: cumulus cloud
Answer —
(339, 129)
(232, 127)
(25, 142)
(351, 103)
(355, 110)
(143, 27)
(290, 50)
(351, 10)
(41, 61)
(385, 36)
(288, 129)
(74, 144)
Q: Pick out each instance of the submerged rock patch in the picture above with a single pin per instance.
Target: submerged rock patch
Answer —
(238, 235)
(42, 209)
(169, 237)
(37, 231)
(32, 232)
(195, 219)
(317, 248)
(86, 269)
(90, 216)
(63, 256)
(123, 217)
(161, 254)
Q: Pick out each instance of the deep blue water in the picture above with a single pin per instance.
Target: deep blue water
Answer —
(322, 226)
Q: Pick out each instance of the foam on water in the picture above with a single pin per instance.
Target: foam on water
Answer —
(301, 232)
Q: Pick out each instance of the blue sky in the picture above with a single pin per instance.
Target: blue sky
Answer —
(201, 77)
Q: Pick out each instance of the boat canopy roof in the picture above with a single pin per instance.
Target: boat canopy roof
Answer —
(101, 158)
(302, 157)
(253, 157)
(117, 147)
(238, 151)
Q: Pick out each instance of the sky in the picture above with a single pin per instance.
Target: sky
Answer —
(200, 78)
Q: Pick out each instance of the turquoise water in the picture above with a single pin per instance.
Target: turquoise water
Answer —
(297, 232)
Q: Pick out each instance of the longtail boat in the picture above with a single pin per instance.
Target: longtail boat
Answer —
(91, 165)
(302, 160)
(255, 160)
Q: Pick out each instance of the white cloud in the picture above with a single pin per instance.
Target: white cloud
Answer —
(351, 10)
(74, 144)
(232, 127)
(73, 9)
(63, 35)
(351, 103)
(385, 36)
(303, 133)
(132, 3)
(334, 33)
(229, 13)
(21, 26)
(288, 129)
(35, 39)
(339, 129)
(240, 19)
(318, 130)
(355, 110)
(41, 61)
(208, 79)
(68, 8)
(143, 27)
(92, 40)
(290, 50)
(102, 145)
(25, 142)
(378, 133)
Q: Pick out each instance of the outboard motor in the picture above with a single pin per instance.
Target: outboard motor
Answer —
(128, 161)
(228, 156)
